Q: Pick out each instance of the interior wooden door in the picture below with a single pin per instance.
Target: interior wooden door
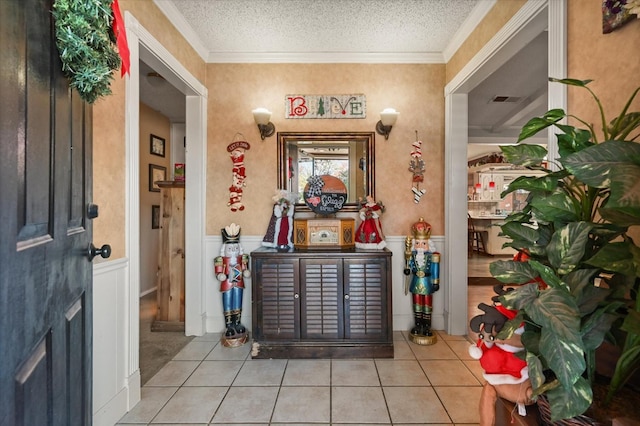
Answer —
(45, 191)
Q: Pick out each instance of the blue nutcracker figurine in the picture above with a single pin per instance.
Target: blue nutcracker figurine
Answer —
(422, 271)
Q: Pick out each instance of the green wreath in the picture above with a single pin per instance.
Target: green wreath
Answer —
(86, 45)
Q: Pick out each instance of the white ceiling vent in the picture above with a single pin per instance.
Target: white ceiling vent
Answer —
(505, 99)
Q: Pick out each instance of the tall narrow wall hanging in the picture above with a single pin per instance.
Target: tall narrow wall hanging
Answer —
(416, 166)
(236, 150)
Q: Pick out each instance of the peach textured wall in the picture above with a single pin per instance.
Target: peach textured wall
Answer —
(497, 17)
(611, 60)
(109, 184)
(416, 91)
(108, 170)
(150, 17)
(151, 122)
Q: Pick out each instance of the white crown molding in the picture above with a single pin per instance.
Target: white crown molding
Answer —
(326, 57)
(477, 15)
(175, 17)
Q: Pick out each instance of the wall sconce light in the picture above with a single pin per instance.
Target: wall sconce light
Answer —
(388, 118)
(262, 117)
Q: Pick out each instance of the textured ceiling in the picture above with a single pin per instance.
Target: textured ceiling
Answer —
(228, 29)
(374, 31)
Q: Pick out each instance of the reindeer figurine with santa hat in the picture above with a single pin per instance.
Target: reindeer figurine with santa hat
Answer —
(506, 375)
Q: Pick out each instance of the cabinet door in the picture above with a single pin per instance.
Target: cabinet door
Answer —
(321, 299)
(366, 304)
(277, 309)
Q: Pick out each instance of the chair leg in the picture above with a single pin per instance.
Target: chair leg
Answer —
(482, 243)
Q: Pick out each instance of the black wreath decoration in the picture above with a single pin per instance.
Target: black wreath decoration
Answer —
(86, 44)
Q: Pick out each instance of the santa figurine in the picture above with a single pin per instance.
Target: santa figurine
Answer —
(280, 230)
(369, 234)
(230, 268)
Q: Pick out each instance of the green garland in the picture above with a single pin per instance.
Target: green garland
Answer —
(86, 45)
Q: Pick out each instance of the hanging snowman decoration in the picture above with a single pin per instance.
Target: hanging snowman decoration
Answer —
(416, 166)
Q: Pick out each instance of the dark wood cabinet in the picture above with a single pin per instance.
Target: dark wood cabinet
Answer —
(322, 304)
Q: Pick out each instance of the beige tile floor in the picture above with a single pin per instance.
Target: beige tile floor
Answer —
(209, 384)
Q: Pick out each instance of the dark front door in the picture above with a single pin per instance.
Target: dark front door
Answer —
(45, 188)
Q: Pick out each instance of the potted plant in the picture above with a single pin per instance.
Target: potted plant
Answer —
(579, 283)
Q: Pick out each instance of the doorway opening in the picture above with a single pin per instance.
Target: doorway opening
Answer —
(527, 24)
(145, 49)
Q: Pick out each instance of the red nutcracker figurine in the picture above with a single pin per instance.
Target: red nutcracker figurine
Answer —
(230, 268)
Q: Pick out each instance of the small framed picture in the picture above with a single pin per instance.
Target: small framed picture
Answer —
(157, 145)
(156, 173)
(155, 216)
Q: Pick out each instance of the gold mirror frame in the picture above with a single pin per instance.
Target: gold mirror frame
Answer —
(367, 138)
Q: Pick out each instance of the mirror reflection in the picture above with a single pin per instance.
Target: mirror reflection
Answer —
(349, 156)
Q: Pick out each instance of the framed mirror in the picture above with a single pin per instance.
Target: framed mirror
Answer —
(349, 156)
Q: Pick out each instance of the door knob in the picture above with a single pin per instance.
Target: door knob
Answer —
(104, 251)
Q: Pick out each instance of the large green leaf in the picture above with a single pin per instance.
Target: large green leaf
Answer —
(625, 191)
(556, 313)
(516, 230)
(548, 275)
(573, 140)
(536, 370)
(520, 297)
(569, 402)
(560, 339)
(594, 164)
(557, 207)
(532, 183)
(605, 232)
(524, 154)
(618, 217)
(622, 257)
(627, 364)
(570, 81)
(512, 272)
(620, 127)
(536, 124)
(567, 246)
(584, 291)
(597, 325)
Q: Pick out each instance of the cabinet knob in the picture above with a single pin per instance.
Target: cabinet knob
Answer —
(346, 296)
(295, 296)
